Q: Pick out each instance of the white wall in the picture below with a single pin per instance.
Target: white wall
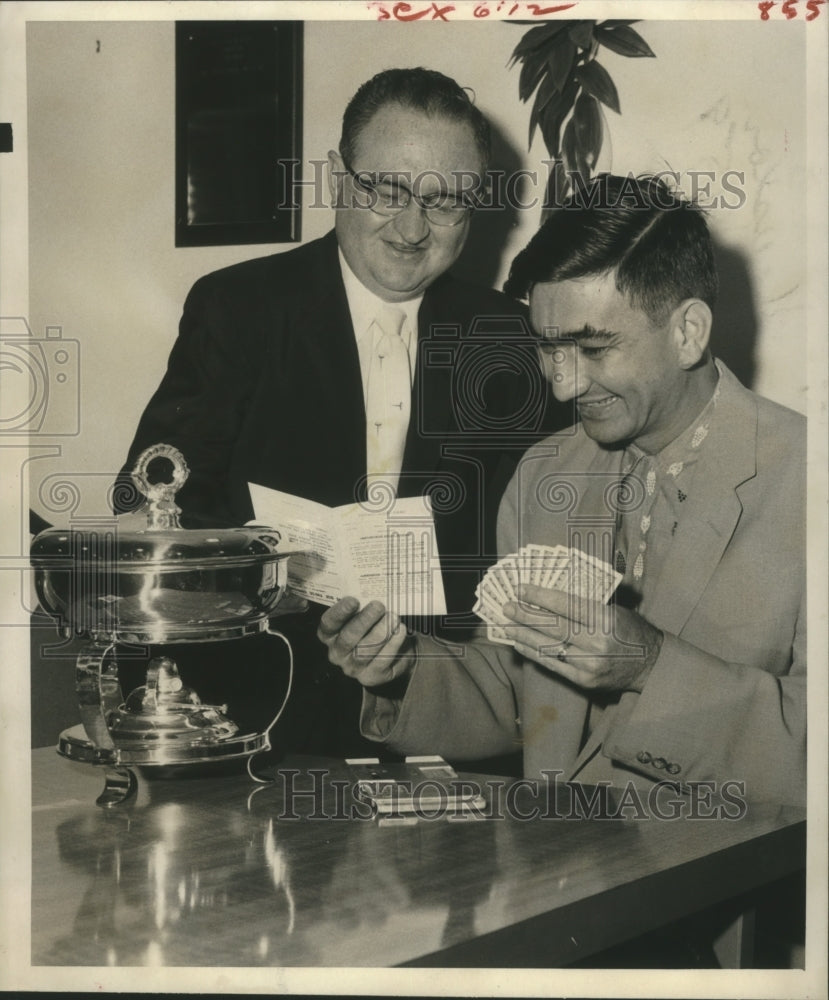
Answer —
(103, 266)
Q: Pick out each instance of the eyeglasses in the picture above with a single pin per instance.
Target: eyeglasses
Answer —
(386, 198)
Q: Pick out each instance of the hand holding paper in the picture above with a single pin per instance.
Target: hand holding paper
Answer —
(369, 644)
(387, 555)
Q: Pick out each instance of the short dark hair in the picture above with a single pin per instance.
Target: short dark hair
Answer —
(422, 89)
(656, 242)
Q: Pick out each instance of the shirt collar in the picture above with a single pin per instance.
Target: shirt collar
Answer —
(364, 305)
(683, 449)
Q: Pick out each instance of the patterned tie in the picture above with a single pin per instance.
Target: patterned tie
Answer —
(388, 398)
(632, 525)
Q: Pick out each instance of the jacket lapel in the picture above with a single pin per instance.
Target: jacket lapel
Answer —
(331, 355)
(727, 459)
(431, 393)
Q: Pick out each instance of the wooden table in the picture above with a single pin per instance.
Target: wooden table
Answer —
(218, 871)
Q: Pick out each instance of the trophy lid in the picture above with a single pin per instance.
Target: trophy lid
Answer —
(159, 582)
(205, 548)
(157, 540)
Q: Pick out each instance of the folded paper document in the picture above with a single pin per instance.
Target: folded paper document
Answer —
(388, 555)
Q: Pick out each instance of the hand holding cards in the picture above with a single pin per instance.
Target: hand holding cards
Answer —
(554, 567)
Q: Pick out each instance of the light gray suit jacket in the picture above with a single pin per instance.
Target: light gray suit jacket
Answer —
(726, 699)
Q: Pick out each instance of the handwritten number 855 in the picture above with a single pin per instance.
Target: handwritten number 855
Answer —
(789, 8)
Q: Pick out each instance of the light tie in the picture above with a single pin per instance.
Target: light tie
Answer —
(388, 399)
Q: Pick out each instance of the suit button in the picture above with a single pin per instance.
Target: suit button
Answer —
(673, 768)
(659, 762)
(644, 757)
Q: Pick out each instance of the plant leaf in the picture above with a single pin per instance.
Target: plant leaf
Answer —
(546, 92)
(581, 33)
(533, 123)
(551, 118)
(596, 81)
(536, 36)
(587, 122)
(532, 70)
(568, 148)
(624, 40)
(560, 61)
(618, 24)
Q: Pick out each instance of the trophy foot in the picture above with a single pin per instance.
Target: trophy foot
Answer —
(258, 774)
(119, 786)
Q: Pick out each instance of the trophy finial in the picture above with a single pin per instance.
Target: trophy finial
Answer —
(162, 511)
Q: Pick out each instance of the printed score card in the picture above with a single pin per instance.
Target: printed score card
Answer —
(352, 550)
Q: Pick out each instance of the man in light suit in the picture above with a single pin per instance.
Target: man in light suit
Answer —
(693, 485)
(272, 379)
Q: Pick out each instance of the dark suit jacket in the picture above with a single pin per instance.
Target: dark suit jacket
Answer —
(263, 385)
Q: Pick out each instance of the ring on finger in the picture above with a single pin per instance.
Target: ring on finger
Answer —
(561, 652)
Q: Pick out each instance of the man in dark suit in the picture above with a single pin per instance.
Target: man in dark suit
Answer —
(277, 375)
